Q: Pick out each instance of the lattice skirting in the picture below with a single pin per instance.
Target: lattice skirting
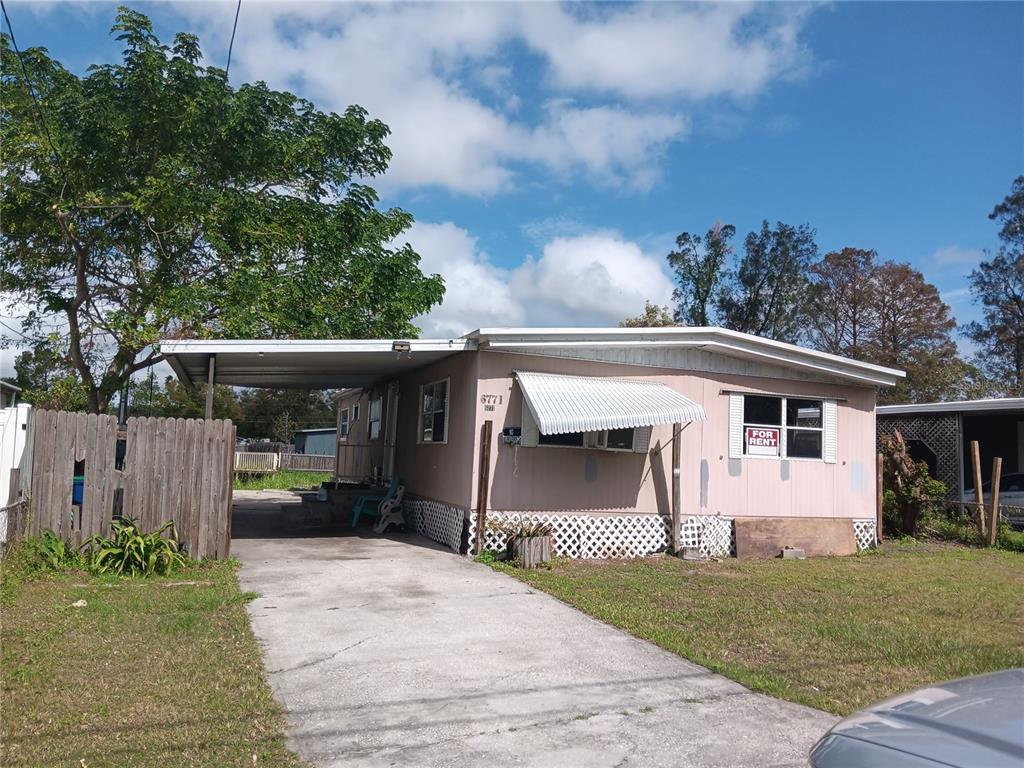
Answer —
(712, 536)
(865, 534)
(439, 522)
(589, 536)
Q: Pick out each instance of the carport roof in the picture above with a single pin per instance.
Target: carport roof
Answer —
(302, 363)
(989, 405)
(342, 363)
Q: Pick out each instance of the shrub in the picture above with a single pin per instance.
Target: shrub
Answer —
(49, 552)
(131, 552)
(910, 492)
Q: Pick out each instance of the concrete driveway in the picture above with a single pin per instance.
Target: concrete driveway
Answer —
(396, 652)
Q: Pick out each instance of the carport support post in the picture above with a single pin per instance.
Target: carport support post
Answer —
(211, 366)
(677, 453)
(484, 484)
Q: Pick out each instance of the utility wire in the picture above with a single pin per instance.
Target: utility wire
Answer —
(231, 45)
(38, 104)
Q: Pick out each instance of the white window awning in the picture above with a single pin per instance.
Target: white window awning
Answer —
(561, 404)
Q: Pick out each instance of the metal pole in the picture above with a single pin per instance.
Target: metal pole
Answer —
(677, 501)
(483, 485)
(210, 372)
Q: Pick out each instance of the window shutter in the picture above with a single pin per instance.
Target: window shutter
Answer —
(735, 426)
(641, 439)
(530, 433)
(829, 418)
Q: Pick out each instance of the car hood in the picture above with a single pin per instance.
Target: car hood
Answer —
(974, 721)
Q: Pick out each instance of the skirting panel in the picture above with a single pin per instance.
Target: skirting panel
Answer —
(622, 536)
(589, 536)
(439, 522)
(865, 534)
(711, 535)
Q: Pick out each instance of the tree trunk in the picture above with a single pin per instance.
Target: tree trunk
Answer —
(530, 551)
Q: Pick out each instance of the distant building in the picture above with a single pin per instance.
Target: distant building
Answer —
(320, 442)
(941, 434)
(8, 394)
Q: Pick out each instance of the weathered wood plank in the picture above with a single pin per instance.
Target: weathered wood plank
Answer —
(206, 493)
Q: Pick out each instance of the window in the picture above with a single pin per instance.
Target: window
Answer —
(355, 412)
(787, 427)
(374, 418)
(343, 424)
(619, 439)
(604, 440)
(565, 440)
(434, 412)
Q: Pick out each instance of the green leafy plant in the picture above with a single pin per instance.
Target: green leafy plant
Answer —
(910, 492)
(49, 552)
(131, 552)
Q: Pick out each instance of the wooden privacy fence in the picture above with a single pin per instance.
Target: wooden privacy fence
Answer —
(257, 463)
(155, 471)
(307, 462)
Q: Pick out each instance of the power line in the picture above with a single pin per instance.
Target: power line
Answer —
(231, 45)
(38, 104)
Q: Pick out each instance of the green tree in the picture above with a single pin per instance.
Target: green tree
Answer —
(284, 427)
(46, 379)
(261, 408)
(150, 397)
(653, 317)
(998, 286)
(839, 310)
(913, 332)
(765, 293)
(697, 265)
(150, 199)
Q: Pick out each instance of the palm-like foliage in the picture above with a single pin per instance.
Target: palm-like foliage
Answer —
(131, 552)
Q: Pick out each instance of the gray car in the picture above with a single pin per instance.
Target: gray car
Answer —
(976, 722)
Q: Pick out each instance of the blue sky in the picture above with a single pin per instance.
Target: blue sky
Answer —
(551, 153)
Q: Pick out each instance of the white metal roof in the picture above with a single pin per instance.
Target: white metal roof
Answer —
(562, 404)
(332, 364)
(303, 363)
(721, 340)
(991, 405)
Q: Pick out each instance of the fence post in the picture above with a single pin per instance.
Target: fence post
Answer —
(979, 496)
(993, 526)
(879, 496)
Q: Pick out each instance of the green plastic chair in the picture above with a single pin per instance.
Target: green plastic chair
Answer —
(370, 505)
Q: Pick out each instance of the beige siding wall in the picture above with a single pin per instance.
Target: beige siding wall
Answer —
(357, 454)
(440, 471)
(547, 478)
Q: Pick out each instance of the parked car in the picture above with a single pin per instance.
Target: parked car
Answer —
(1011, 494)
(967, 723)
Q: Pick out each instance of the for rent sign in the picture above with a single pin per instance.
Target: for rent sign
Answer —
(762, 441)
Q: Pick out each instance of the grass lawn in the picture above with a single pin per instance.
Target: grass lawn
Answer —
(284, 480)
(835, 633)
(150, 673)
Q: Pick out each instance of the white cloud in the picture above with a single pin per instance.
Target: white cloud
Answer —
(954, 255)
(594, 279)
(441, 76)
(477, 293)
(657, 50)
